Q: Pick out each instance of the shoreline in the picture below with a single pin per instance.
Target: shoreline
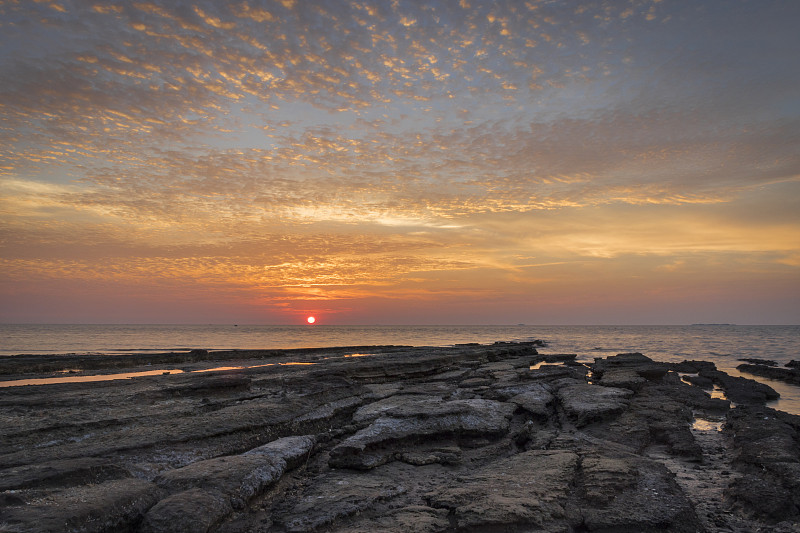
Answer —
(463, 438)
(47, 363)
(61, 367)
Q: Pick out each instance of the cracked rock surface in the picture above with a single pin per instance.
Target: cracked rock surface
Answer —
(465, 439)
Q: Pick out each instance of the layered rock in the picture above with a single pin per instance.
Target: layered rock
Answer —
(471, 439)
(529, 490)
(403, 420)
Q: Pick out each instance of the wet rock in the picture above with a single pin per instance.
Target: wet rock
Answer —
(703, 382)
(554, 358)
(622, 360)
(586, 403)
(753, 361)
(741, 390)
(691, 367)
(209, 384)
(552, 371)
(674, 387)
(788, 375)
(793, 364)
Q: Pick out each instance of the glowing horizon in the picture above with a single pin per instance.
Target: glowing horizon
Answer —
(400, 162)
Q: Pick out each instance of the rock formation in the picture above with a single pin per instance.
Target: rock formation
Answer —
(464, 439)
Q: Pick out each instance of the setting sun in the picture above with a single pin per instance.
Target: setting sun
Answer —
(311, 320)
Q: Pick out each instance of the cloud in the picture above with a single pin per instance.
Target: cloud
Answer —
(468, 138)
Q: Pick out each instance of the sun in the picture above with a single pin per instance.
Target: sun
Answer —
(311, 320)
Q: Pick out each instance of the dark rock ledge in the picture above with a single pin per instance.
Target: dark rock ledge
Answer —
(463, 439)
(789, 375)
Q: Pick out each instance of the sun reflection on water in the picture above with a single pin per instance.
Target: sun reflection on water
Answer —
(83, 379)
(129, 375)
(707, 424)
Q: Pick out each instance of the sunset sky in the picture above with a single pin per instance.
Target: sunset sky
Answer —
(400, 162)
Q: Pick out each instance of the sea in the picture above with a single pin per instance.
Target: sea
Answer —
(723, 344)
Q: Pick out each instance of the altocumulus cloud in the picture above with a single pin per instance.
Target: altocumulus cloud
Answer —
(458, 135)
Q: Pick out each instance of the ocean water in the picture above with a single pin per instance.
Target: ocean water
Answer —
(722, 344)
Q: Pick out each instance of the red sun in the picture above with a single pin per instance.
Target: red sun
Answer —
(311, 320)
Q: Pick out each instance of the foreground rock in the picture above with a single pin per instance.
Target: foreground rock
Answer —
(412, 420)
(469, 439)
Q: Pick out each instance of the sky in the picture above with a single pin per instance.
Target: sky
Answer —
(400, 162)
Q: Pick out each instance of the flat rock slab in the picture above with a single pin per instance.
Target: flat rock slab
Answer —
(414, 518)
(61, 472)
(622, 378)
(410, 418)
(585, 403)
(535, 398)
(335, 496)
(526, 489)
(536, 402)
(633, 494)
(108, 506)
(191, 511)
(628, 370)
(401, 405)
(766, 444)
(239, 477)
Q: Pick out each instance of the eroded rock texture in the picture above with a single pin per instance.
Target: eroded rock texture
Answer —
(464, 439)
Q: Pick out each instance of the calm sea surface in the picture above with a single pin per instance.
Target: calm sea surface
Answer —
(722, 344)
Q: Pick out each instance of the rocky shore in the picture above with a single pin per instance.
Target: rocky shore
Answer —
(770, 369)
(396, 439)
